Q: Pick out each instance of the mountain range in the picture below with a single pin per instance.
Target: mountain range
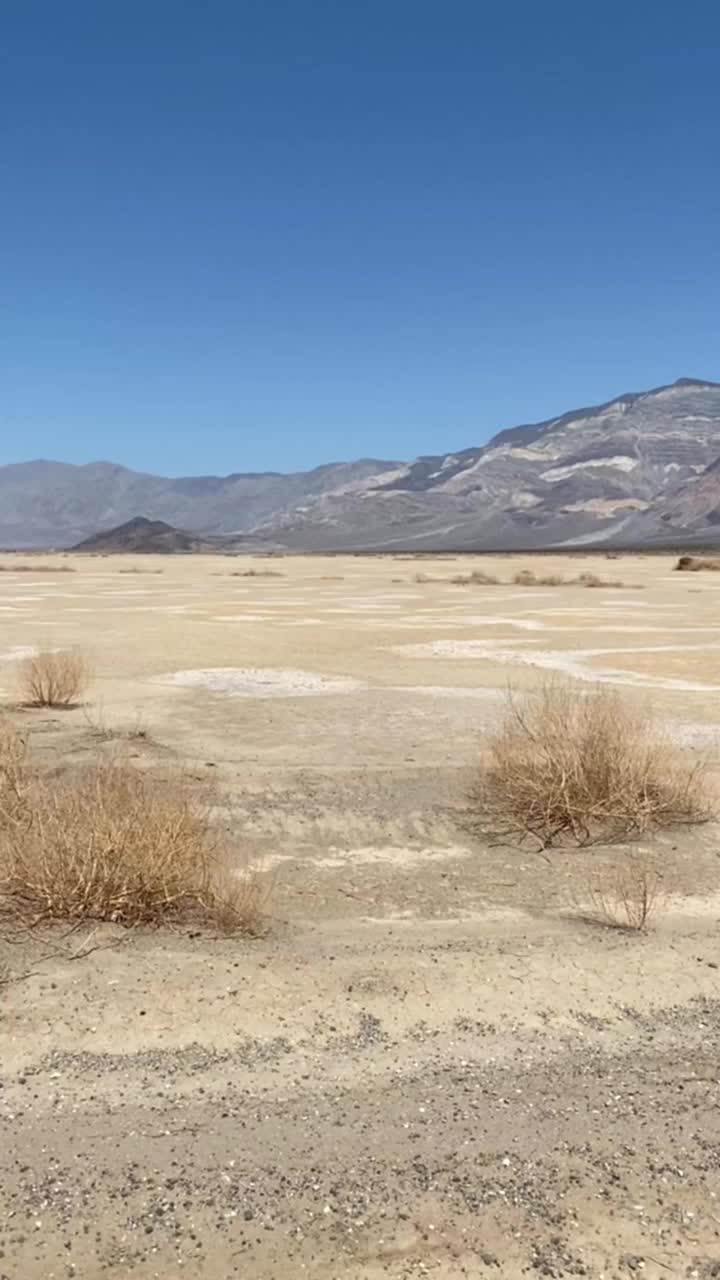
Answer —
(641, 469)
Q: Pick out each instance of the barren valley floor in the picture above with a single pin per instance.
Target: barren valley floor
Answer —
(433, 1064)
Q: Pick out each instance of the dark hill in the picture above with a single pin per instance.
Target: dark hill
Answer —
(144, 536)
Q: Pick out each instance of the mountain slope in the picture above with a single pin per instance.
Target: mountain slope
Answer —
(626, 468)
(573, 478)
(56, 504)
(690, 513)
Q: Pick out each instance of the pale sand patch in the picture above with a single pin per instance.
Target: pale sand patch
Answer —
(693, 733)
(260, 682)
(17, 652)
(242, 617)
(571, 662)
(521, 624)
(574, 663)
(449, 691)
(387, 855)
(453, 648)
(619, 602)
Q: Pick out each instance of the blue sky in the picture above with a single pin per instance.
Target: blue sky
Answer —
(262, 235)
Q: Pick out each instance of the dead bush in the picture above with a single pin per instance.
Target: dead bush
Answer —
(37, 568)
(583, 767)
(526, 578)
(53, 678)
(697, 564)
(478, 578)
(110, 843)
(13, 752)
(256, 573)
(626, 894)
(592, 580)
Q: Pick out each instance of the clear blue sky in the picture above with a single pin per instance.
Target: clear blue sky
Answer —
(246, 234)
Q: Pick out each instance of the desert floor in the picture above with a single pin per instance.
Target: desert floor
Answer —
(433, 1064)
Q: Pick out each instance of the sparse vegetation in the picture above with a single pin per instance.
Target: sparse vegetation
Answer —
(478, 578)
(101, 731)
(583, 767)
(526, 578)
(628, 893)
(110, 843)
(137, 569)
(698, 564)
(53, 678)
(256, 573)
(13, 753)
(37, 568)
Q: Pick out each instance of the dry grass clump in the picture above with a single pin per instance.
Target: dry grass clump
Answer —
(698, 564)
(592, 580)
(37, 568)
(53, 679)
(13, 753)
(526, 578)
(583, 767)
(478, 578)
(137, 569)
(110, 843)
(256, 573)
(626, 894)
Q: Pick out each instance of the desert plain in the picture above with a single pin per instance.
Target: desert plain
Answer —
(432, 1062)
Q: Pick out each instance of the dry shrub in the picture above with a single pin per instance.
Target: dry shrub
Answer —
(256, 573)
(526, 578)
(478, 578)
(697, 564)
(628, 893)
(37, 568)
(592, 580)
(13, 753)
(137, 569)
(53, 679)
(110, 843)
(583, 767)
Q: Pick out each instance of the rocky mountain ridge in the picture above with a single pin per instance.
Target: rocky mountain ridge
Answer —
(636, 469)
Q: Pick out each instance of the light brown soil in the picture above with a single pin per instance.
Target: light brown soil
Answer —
(432, 1065)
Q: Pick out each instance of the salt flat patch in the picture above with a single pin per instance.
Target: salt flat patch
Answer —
(575, 663)
(449, 691)
(693, 733)
(622, 602)
(260, 682)
(390, 856)
(17, 652)
(243, 617)
(570, 662)
(453, 648)
(521, 624)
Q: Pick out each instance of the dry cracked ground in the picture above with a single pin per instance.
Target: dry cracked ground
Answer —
(433, 1064)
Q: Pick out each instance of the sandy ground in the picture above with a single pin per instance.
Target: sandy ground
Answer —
(432, 1065)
